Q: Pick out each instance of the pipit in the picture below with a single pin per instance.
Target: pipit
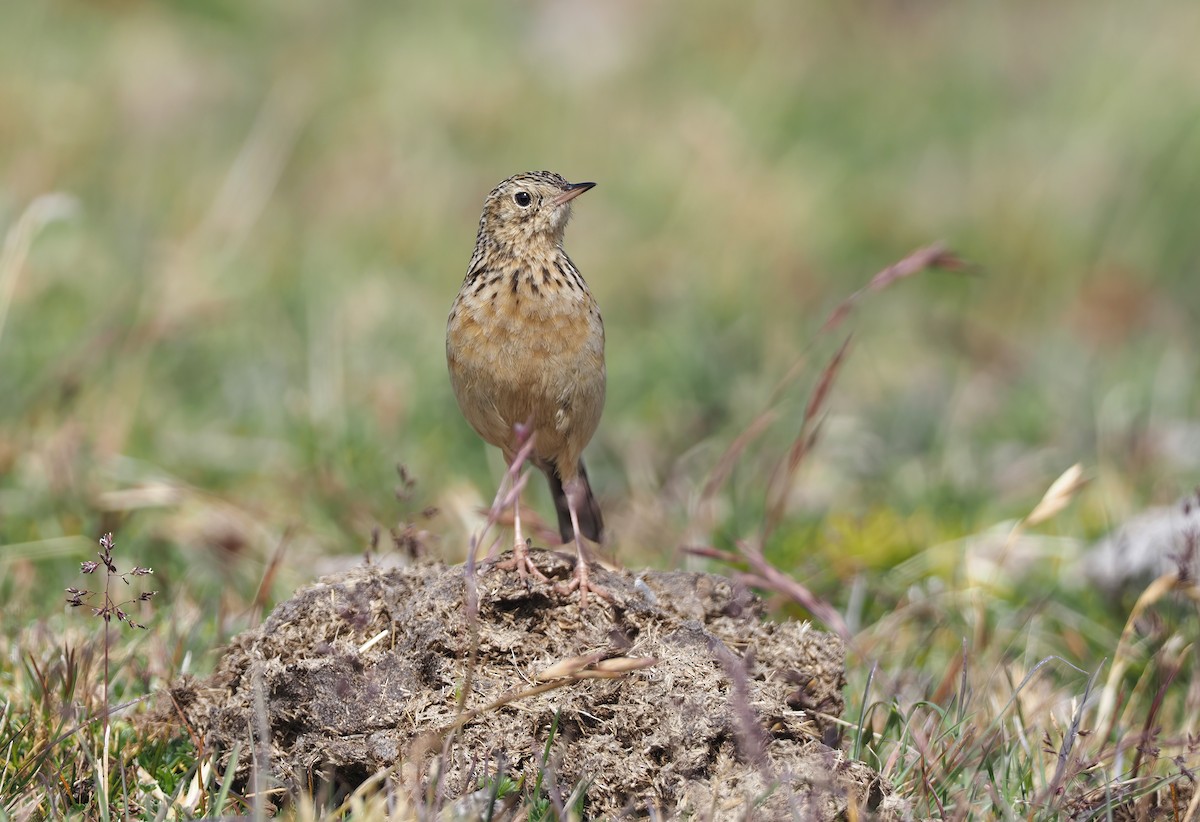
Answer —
(525, 348)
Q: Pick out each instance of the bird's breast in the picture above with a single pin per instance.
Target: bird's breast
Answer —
(527, 319)
(519, 347)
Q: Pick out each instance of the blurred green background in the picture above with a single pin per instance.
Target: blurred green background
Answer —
(232, 330)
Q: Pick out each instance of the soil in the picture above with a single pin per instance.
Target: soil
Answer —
(364, 671)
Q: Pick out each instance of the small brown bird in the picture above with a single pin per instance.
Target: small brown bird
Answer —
(525, 347)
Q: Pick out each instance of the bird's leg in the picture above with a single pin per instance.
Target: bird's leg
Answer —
(580, 580)
(518, 542)
(520, 558)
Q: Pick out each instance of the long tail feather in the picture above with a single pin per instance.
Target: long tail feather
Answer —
(591, 522)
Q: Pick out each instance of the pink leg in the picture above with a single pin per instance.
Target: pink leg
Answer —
(520, 558)
(580, 580)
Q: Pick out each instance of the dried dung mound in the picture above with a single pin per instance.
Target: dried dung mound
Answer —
(364, 671)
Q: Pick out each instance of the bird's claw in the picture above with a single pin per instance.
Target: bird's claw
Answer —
(521, 563)
(580, 581)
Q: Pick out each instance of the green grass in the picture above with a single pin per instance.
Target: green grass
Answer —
(223, 347)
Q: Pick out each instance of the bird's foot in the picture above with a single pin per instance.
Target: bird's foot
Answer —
(580, 581)
(521, 563)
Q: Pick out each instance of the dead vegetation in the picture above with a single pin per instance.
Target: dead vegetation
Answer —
(675, 698)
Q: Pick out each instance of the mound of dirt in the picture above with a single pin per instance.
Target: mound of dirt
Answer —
(365, 670)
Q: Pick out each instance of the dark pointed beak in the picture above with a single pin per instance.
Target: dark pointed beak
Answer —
(572, 191)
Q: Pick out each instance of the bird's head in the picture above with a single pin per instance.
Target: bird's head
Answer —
(529, 208)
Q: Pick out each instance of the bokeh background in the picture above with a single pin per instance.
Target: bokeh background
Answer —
(235, 230)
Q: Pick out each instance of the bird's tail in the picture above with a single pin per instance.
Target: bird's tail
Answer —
(591, 523)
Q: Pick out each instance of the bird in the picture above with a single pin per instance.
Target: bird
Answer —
(525, 352)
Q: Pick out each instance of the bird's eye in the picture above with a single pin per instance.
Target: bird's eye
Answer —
(522, 199)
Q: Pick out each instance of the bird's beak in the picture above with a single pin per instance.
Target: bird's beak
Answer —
(572, 191)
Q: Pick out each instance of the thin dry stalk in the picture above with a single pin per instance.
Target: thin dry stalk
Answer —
(1156, 590)
(810, 425)
(263, 594)
(768, 577)
(108, 610)
(783, 477)
(571, 671)
(1058, 496)
(931, 256)
(513, 480)
(1193, 807)
(507, 494)
(752, 736)
(424, 743)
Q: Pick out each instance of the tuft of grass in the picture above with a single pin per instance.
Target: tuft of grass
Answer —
(1004, 732)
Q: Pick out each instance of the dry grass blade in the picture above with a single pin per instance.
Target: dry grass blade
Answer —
(709, 552)
(1106, 712)
(263, 594)
(1058, 496)
(932, 256)
(567, 667)
(514, 480)
(1069, 739)
(753, 738)
(768, 576)
(1169, 669)
(625, 664)
(593, 666)
(427, 742)
(1193, 807)
(781, 479)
